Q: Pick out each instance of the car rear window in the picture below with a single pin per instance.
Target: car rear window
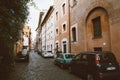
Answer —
(69, 56)
(108, 57)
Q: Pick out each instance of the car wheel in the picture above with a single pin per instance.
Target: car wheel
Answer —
(90, 77)
(55, 62)
(27, 59)
(70, 69)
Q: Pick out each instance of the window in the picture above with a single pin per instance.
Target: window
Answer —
(73, 3)
(57, 46)
(97, 48)
(64, 47)
(108, 57)
(23, 33)
(78, 57)
(84, 58)
(56, 15)
(74, 34)
(64, 27)
(63, 8)
(27, 27)
(26, 33)
(56, 31)
(51, 47)
(69, 56)
(61, 56)
(97, 28)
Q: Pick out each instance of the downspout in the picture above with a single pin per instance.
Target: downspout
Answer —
(45, 37)
(69, 26)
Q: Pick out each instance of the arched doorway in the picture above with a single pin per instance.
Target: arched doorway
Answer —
(97, 30)
(64, 45)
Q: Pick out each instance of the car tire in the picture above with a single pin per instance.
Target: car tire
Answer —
(55, 62)
(27, 59)
(70, 69)
(90, 77)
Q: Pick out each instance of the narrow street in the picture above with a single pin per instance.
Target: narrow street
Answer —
(39, 68)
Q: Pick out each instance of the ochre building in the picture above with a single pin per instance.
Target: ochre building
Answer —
(95, 26)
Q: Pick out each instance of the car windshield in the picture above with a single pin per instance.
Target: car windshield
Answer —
(107, 58)
(69, 56)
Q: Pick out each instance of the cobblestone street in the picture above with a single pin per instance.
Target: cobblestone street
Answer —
(39, 68)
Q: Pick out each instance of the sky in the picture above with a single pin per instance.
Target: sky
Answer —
(33, 17)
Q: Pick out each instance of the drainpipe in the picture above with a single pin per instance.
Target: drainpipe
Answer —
(45, 37)
(69, 26)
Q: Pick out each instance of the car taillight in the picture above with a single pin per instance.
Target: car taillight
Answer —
(97, 59)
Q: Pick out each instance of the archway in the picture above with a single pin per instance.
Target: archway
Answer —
(98, 30)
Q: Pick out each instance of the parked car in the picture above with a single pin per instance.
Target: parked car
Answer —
(47, 54)
(36, 50)
(23, 55)
(63, 59)
(95, 66)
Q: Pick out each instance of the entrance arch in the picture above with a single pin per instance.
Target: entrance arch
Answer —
(98, 30)
(64, 45)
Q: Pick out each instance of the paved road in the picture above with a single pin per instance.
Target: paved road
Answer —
(40, 68)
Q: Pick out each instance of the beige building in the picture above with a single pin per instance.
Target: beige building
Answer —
(27, 37)
(47, 33)
(96, 24)
(62, 28)
(38, 40)
(18, 45)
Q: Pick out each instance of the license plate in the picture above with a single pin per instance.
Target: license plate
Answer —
(111, 68)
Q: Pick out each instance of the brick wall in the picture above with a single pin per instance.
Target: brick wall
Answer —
(82, 14)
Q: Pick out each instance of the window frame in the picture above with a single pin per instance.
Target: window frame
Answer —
(74, 36)
(76, 27)
(65, 23)
(63, 9)
(56, 31)
(97, 28)
(73, 3)
(56, 15)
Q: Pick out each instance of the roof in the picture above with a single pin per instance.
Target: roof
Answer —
(95, 52)
(47, 15)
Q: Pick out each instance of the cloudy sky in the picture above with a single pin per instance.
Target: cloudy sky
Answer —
(34, 14)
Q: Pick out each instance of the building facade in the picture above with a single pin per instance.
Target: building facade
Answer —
(95, 26)
(47, 33)
(27, 37)
(18, 45)
(38, 31)
(62, 28)
(81, 25)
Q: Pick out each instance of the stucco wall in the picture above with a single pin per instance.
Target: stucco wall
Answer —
(79, 14)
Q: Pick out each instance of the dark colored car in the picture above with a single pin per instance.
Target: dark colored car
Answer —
(95, 66)
(63, 59)
(21, 56)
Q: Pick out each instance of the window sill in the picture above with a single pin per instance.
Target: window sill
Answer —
(97, 37)
(73, 42)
